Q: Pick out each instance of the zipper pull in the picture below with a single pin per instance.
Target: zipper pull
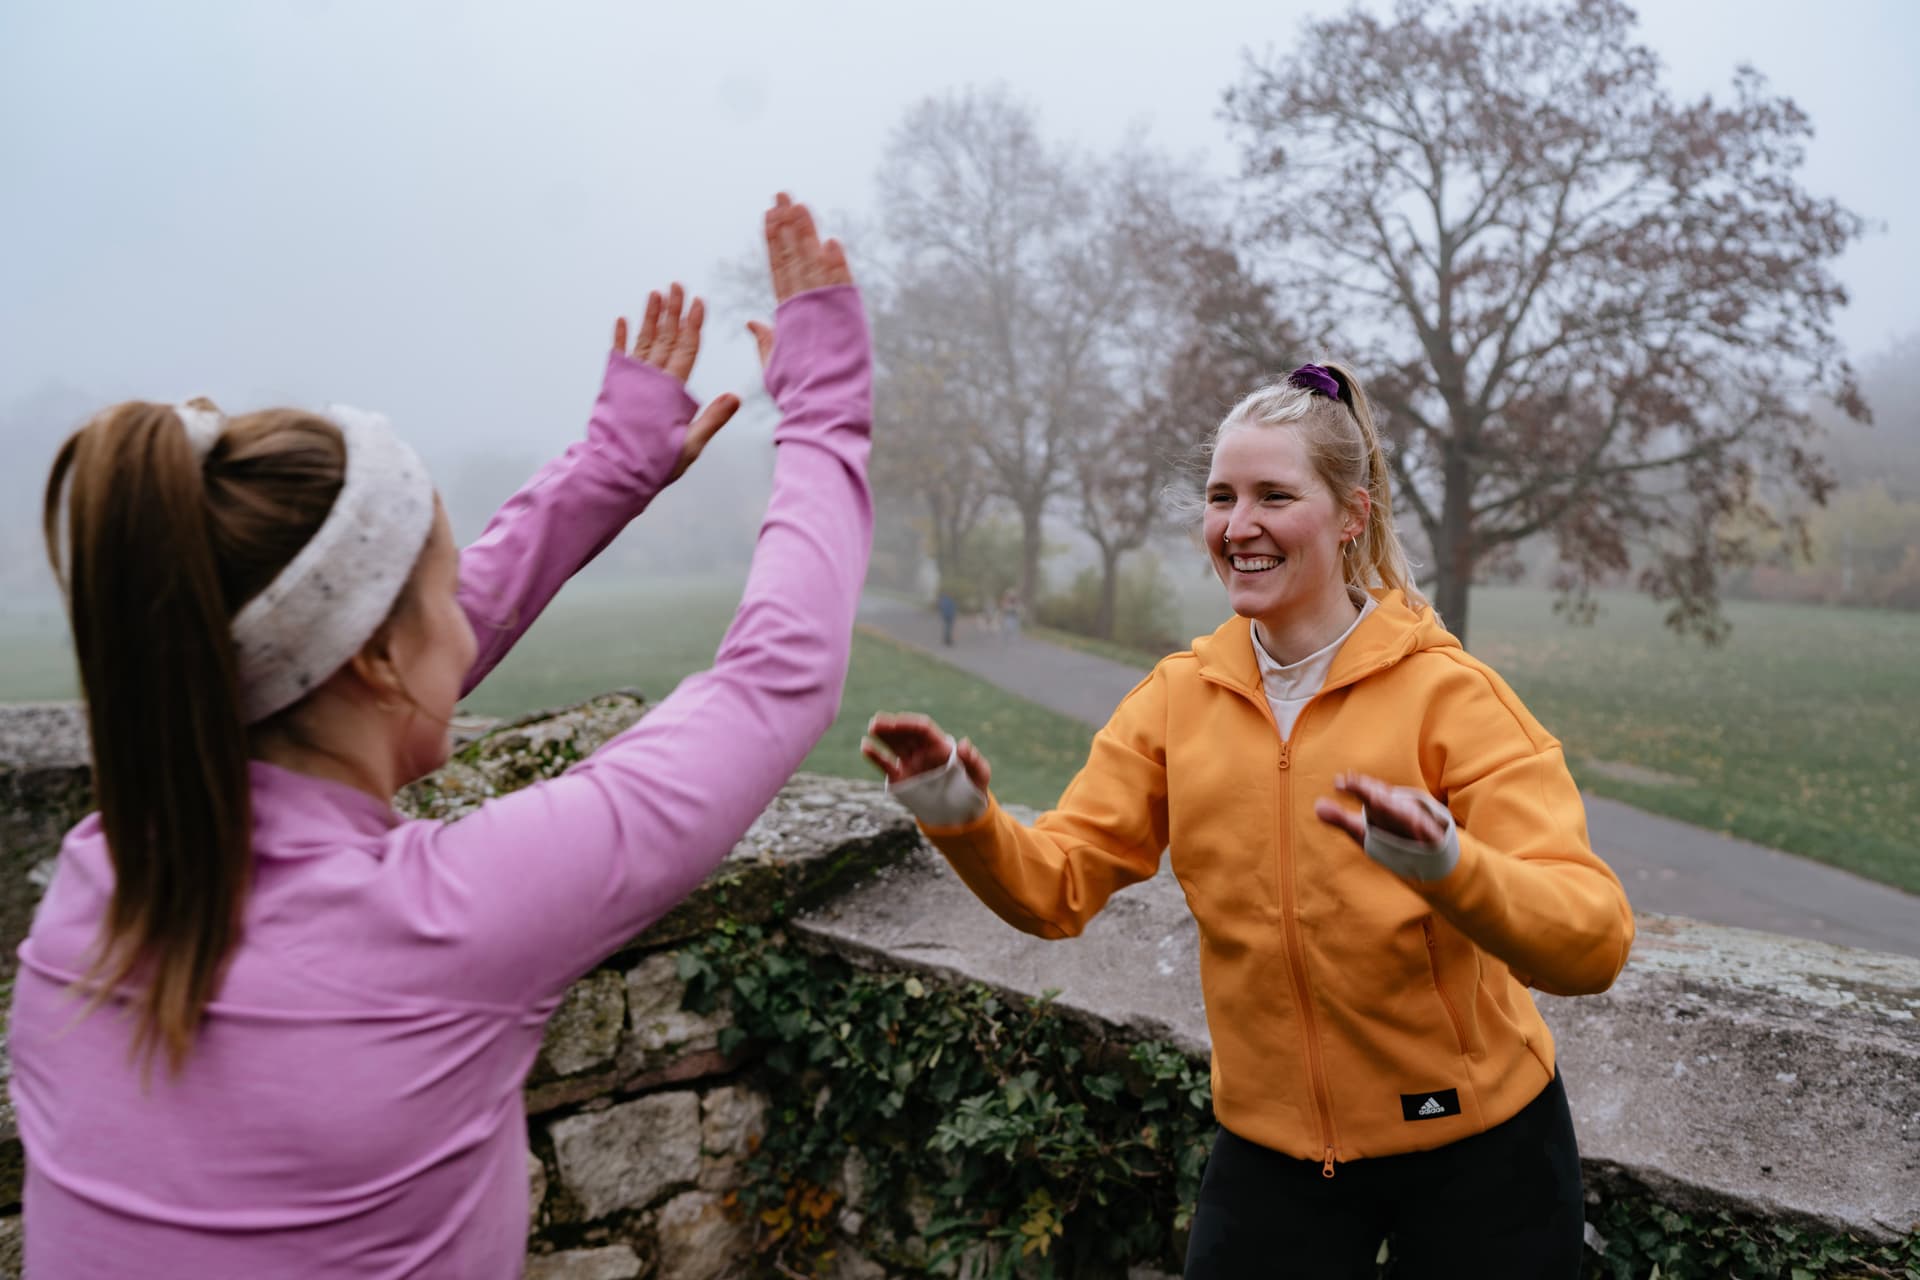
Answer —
(1286, 750)
(1326, 1170)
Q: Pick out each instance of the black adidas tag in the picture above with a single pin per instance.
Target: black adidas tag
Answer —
(1430, 1106)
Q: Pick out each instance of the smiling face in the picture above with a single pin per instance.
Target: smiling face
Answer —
(1273, 527)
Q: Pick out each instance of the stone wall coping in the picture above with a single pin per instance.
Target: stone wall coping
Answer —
(40, 735)
(1726, 1068)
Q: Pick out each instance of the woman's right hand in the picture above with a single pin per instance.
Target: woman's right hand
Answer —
(798, 260)
(905, 745)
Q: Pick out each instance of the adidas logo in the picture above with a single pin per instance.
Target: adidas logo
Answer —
(1430, 1106)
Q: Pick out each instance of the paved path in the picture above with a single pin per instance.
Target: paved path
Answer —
(1666, 866)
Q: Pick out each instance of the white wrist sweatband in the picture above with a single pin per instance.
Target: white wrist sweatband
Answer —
(1411, 858)
(943, 797)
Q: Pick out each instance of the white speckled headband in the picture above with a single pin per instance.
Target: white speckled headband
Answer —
(337, 590)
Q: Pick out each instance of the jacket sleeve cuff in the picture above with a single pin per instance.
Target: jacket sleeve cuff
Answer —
(639, 423)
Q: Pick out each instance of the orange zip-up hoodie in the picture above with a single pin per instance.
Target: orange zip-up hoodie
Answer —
(1353, 1013)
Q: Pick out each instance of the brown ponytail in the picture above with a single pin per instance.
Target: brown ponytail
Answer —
(160, 552)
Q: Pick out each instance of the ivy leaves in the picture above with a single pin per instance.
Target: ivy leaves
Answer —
(1003, 1131)
(1014, 1136)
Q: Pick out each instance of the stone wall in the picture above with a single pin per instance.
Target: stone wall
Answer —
(638, 1120)
(1731, 1070)
(45, 787)
(1726, 1069)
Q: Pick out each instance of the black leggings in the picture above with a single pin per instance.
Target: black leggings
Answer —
(1503, 1203)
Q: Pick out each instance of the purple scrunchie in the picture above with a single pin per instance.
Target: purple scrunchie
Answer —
(1313, 377)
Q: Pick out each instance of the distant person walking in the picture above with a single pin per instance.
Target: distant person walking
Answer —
(319, 1017)
(949, 610)
(1009, 616)
(1379, 1067)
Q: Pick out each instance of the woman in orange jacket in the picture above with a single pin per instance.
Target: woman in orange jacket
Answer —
(1365, 970)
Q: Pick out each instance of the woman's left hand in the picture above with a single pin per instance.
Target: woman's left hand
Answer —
(1397, 811)
(798, 260)
(669, 340)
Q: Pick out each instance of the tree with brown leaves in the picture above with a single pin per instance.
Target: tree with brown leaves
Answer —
(1590, 311)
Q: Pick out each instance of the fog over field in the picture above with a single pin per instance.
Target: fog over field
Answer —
(436, 209)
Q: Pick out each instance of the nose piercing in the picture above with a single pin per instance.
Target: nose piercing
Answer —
(1223, 542)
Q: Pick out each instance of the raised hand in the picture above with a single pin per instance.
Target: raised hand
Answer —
(669, 340)
(798, 259)
(904, 745)
(1399, 811)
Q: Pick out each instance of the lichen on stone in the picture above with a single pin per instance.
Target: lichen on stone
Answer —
(518, 754)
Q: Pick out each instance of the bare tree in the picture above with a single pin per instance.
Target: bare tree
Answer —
(980, 211)
(1588, 310)
(1190, 333)
(932, 446)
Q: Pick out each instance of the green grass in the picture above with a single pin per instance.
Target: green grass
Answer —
(37, 654)
(1798, 733)
(596, 637)
(1036, 752)
(600, 635)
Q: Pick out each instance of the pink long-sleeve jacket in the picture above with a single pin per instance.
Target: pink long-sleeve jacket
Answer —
(352, 1106)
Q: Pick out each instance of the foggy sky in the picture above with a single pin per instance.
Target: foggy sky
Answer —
(435, 209)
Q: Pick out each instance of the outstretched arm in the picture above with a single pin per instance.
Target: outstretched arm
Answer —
(1506, 859)
(643, 434)
(1048, 879)
(540, 885)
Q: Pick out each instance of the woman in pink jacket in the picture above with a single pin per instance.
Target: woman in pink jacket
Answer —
(263, 1026)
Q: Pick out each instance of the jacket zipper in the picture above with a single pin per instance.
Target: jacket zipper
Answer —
(1316, 1069)
(1433, 963)
(1296, 960)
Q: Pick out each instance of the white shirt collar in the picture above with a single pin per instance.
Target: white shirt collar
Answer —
(1306, 677)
